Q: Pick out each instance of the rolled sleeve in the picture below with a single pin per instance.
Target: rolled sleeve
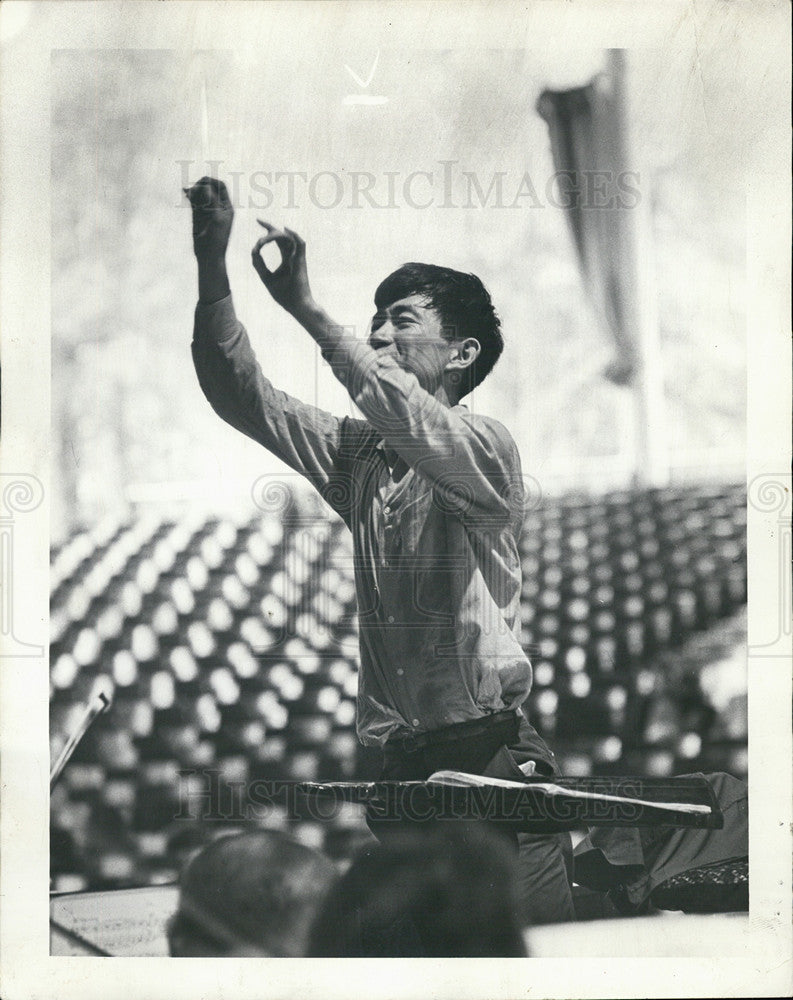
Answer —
(306, 438)
(216, 321)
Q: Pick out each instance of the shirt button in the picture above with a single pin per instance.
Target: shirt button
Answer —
(391, 619)
(400, 671)
(415, 722)
(386, 510)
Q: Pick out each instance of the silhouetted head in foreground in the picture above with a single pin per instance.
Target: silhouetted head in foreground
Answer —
(447, 892)
(249, 894)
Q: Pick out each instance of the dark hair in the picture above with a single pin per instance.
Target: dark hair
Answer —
(463, 304)
(253, 892)
(438, 893)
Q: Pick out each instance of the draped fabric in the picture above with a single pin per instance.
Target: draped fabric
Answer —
(597, 192)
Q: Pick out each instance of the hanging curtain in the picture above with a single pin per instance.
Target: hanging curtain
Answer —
(588, 148)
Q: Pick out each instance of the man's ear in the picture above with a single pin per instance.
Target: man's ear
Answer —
(464, 354)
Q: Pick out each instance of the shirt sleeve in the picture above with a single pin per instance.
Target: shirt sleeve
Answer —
(308, 439)
(471, 461)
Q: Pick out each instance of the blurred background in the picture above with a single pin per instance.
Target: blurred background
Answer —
(200, 582)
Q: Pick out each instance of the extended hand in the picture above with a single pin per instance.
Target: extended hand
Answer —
(213, 215)
(288, 283)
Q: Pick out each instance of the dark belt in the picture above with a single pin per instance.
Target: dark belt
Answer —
(500, 723)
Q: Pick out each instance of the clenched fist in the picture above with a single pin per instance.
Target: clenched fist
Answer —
(213, 215)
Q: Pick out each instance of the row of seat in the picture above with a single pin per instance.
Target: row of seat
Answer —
(231, 649)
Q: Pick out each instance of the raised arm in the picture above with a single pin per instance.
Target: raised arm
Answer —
(471, 460)
(305, 437)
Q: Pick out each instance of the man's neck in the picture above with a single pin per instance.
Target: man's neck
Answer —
(445, 395)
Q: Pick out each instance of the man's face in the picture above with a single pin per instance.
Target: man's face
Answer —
(412, 332)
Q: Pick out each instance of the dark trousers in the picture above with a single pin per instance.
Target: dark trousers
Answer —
(493, 747)
(636, 860)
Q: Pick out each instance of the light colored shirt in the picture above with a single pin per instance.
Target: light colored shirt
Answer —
(433, 497)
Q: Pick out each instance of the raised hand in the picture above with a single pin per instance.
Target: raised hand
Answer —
(213, 215)
(288, 283)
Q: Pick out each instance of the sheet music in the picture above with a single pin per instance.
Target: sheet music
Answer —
(124, 922)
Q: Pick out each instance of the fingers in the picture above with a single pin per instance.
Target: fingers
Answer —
(258, 263)
(286, 241)
(289, 244)
(284, 245)
(283, 237)
(281, 240)
(262, 269)
(299, 242)
(261, 242)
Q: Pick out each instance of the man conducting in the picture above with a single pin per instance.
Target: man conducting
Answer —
(432, 494)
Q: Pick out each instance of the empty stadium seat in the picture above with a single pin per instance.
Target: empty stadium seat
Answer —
(231, 648)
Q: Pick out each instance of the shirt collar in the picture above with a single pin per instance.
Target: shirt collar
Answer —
(389, 454)
(397, 466)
